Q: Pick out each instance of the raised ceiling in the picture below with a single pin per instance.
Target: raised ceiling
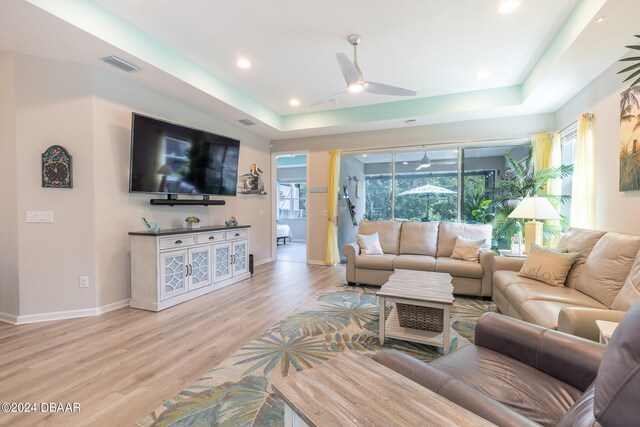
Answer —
(538, 56)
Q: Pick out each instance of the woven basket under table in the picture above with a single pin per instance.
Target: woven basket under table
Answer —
(418, 317)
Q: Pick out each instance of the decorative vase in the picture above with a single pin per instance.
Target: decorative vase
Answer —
(193, 225)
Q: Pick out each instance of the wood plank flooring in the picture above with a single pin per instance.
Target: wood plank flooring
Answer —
(121, 365)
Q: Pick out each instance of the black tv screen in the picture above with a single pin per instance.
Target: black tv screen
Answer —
(167, 158)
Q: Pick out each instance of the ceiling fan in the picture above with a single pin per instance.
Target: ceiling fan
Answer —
(355, 80)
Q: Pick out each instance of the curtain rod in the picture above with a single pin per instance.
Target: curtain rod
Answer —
(441, 144)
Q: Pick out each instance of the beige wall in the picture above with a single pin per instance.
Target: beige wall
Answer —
(89, 112)
(615, 210)
(9, 294)
(456, 133)
(53, 106)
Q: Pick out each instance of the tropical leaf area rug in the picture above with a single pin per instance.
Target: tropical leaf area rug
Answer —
(238, 392)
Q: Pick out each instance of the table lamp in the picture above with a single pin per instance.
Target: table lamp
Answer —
(534, 208)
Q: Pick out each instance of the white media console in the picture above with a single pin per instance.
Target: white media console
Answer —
(173, 266)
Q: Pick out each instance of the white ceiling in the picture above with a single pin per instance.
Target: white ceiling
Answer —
(539, 56)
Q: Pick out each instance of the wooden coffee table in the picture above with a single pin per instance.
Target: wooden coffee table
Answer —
(353, 390)
(417, 288)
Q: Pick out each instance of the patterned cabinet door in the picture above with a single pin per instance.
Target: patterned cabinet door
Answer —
(221, 261)
(173, 273)
(200, 267)
(240, 257)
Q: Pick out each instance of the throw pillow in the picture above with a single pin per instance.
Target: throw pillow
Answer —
(468, 250)
(369, 244)
(548, 265)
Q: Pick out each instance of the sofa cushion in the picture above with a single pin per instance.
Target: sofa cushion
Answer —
(608, 266)
(618, 380)
(414, 262)
(467, 250)
(459, 268)
(380, 262)
(388, 232)
(532, 393)
(582, 241)
(547, 265)
(502, 279)
(419, 238)
(369, 244)
(518, 293)
(543, 313)
(630, 292)
(449, 231)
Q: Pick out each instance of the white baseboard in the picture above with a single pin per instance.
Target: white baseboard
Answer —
(62, 315)
(262, 261)
(113, 306)
(315, 262)
(8, 318)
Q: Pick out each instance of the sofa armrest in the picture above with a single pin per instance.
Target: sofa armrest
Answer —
(450, 388)
(486, 261)
(351, 251)
(570, 359)
(581, 321)
(507, 263)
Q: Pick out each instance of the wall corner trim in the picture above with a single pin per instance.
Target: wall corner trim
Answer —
(62, 315)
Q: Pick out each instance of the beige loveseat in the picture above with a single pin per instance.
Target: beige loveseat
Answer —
(608, 265)
(425, 246)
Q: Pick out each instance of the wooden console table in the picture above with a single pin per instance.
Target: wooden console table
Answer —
(353, 390)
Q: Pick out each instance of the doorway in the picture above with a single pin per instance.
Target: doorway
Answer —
(291, 207)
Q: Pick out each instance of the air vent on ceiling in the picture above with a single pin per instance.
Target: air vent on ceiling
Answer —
(120, 63)
(247, 122)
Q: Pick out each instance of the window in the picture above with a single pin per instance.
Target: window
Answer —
(568, 140)
(292, 200)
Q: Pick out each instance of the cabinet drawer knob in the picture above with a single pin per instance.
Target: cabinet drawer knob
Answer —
(177, 242)
(237, 234)
(211, 238)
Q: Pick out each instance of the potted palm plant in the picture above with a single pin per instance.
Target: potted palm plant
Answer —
(519, 181)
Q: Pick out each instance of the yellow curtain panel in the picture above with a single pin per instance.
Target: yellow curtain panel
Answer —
(541, 154)
(331, 254)
(583, 207)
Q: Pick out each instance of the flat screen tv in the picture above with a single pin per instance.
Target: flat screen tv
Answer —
(167, 158)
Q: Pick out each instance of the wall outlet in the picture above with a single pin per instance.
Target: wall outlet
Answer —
(324, 213)
(261, 212)
(84, 281)
(39, 216)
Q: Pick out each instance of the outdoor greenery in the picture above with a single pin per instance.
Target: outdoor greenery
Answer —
(422, 207)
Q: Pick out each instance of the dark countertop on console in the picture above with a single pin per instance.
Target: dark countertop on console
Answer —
(173, 231)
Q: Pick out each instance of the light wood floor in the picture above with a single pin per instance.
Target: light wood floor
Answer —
(121, 365)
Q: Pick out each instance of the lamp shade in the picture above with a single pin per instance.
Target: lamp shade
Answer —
(535, 208)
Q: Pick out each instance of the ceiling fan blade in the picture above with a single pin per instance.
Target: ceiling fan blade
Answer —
(349, 71)
(383, 89)
(329, 98)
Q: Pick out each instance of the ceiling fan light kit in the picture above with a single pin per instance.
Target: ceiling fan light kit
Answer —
(425, 162)
(354, 78)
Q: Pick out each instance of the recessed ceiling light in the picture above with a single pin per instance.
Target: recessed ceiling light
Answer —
(483, 74)
(244, 63)
(601, 19)
(294, 102)
(508, 6)
(364, 155)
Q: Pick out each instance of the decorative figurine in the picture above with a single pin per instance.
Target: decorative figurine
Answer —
(152, 227)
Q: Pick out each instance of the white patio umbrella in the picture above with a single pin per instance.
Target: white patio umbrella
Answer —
(427, 189)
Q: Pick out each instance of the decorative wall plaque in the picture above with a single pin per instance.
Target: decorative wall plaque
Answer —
(57, 168)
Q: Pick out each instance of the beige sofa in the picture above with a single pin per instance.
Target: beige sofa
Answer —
(425, 246)
(607, 262)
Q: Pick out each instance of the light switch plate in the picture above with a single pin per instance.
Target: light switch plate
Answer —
(39, 216)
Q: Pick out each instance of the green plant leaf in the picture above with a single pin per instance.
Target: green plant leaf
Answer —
(632, 58)
(632, 76)
(629, 68)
